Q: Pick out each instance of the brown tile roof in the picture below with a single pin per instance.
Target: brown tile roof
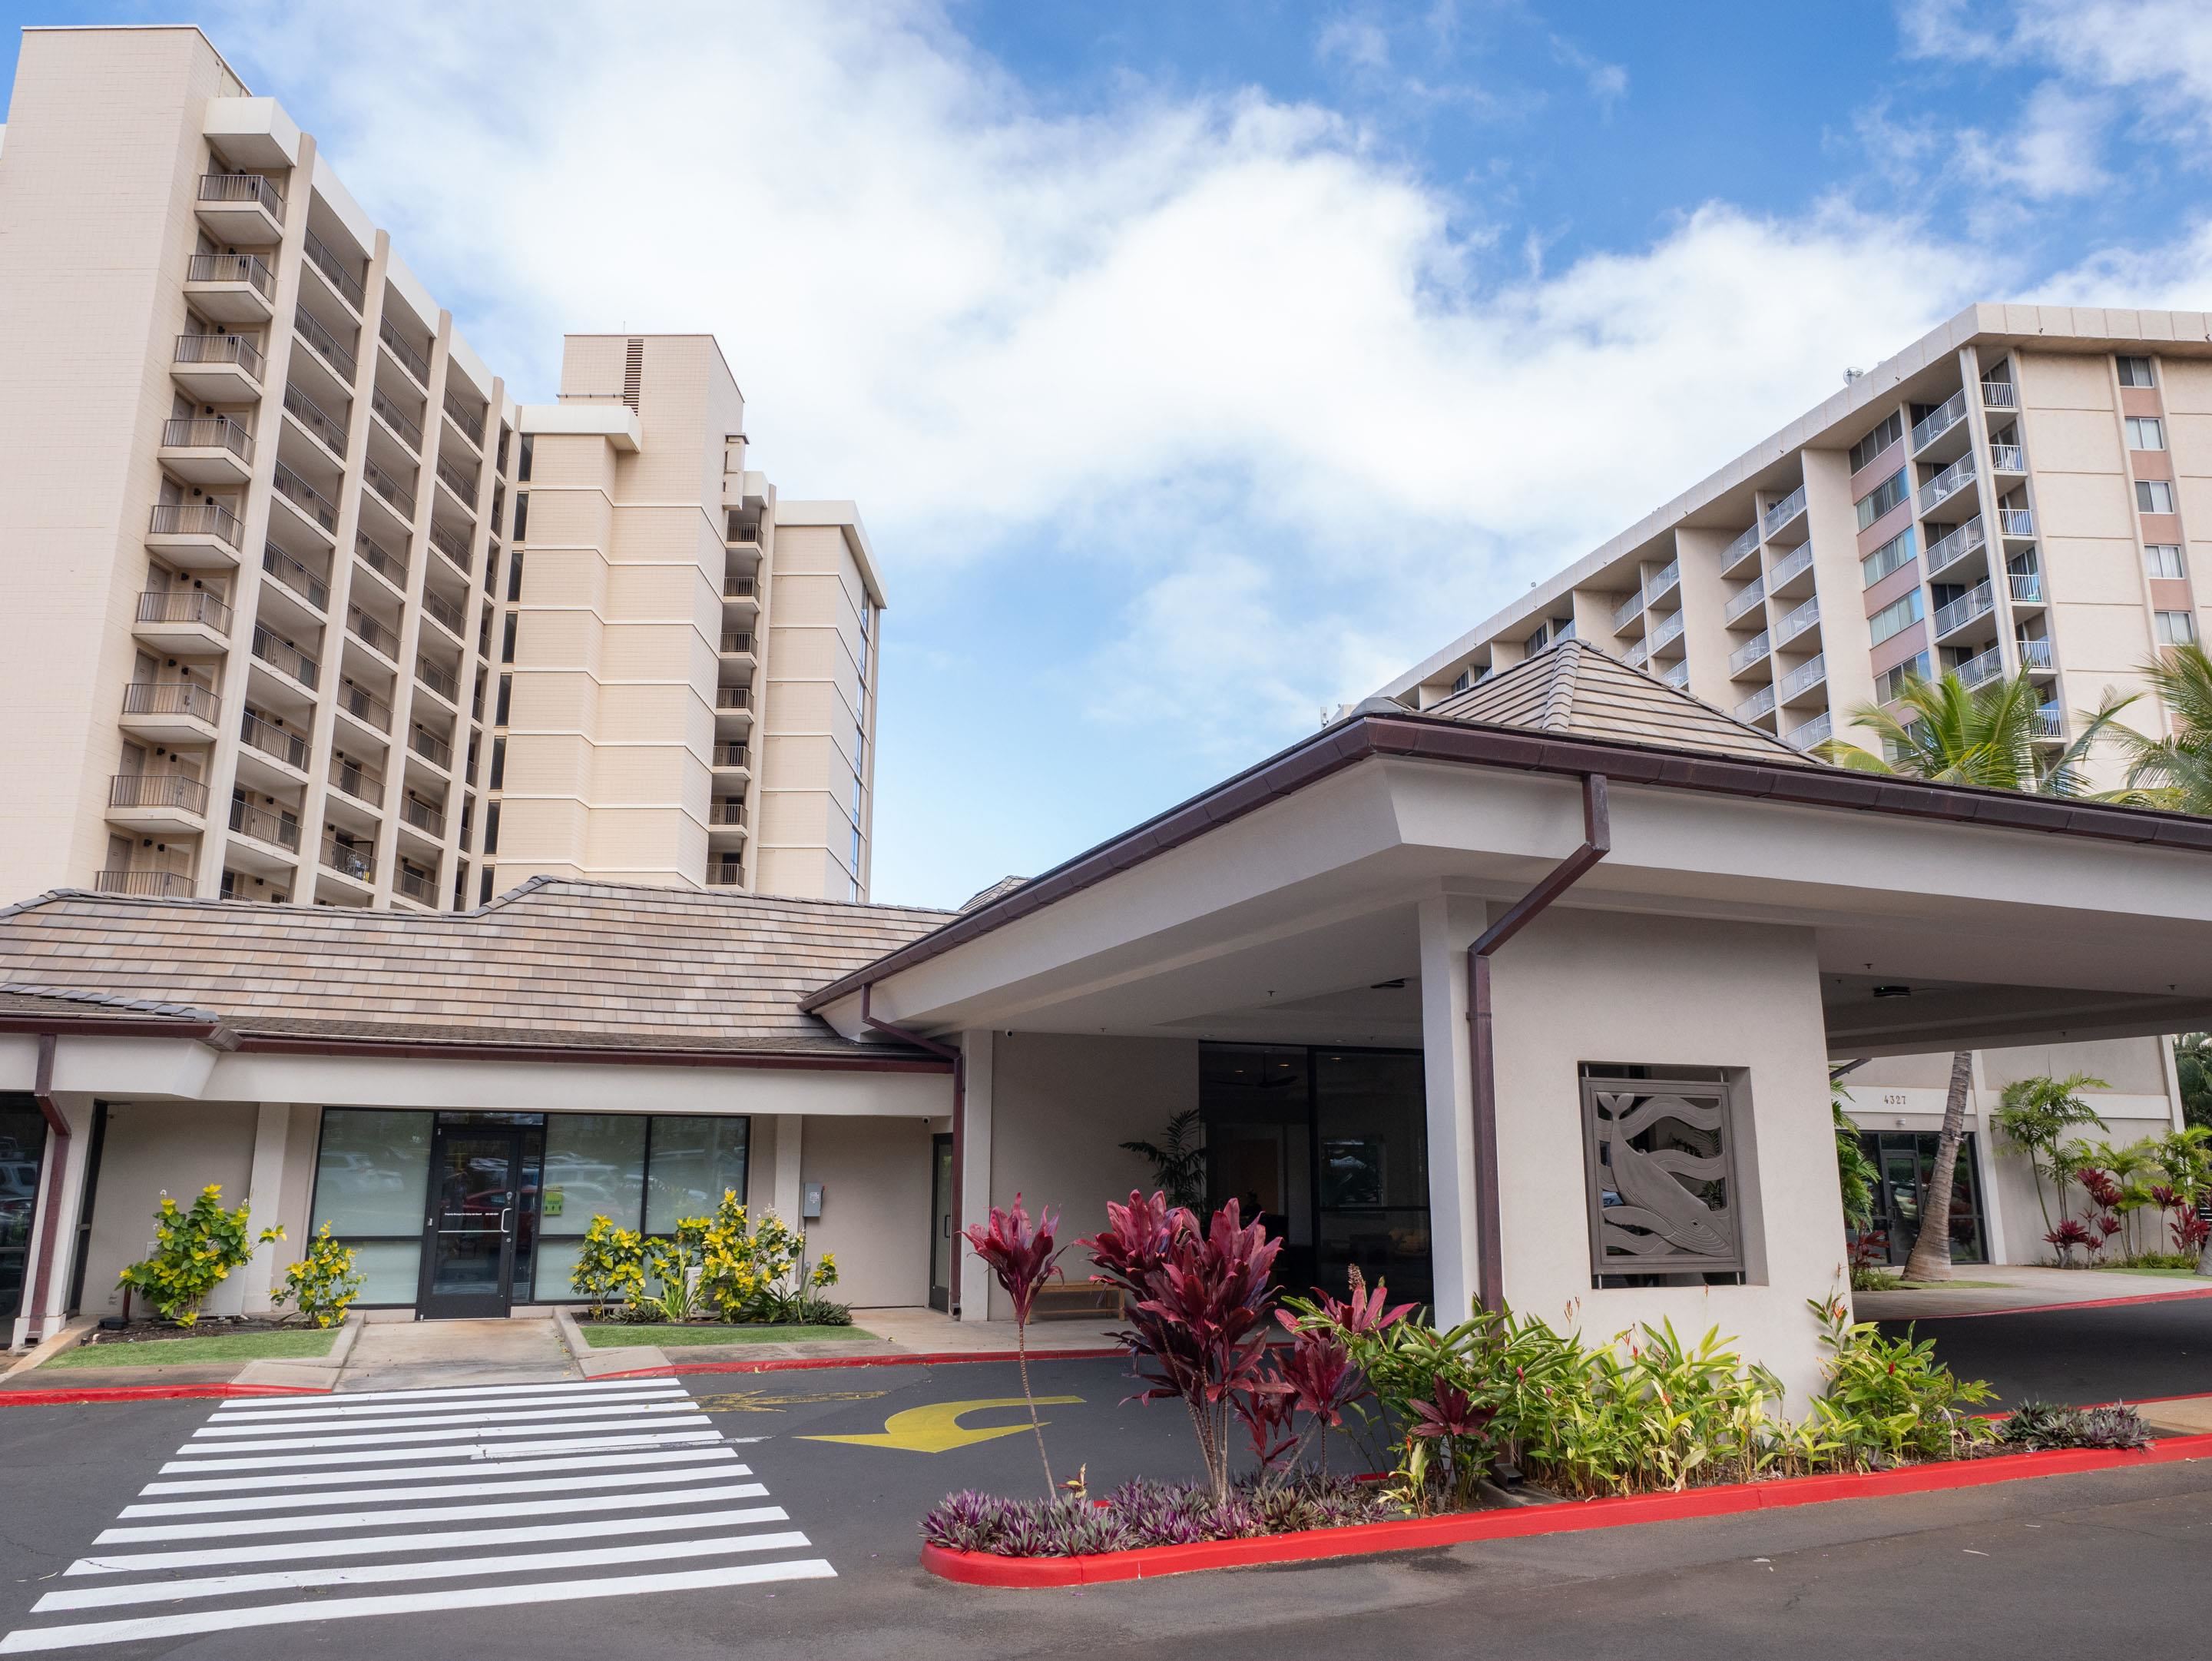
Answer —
(1573, 687)
(558, 962)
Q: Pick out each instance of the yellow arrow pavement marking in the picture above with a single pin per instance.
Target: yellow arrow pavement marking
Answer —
(934, 1428)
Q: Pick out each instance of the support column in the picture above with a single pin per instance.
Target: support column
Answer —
(788, 1193)
(44, 1308)
(264, 1189)
(971, 1280)
(1448, 925)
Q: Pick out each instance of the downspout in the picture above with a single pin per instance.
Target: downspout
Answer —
(56, 1167)
(959, 1061)
(1597, 842)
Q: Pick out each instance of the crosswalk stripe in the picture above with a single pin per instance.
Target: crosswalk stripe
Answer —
(451, 1451)
(358, 1575)
(568, 1484)
(446, 1433)
(440, 1392)
(338, 1409)
(674, 1455)
(77, 1635)
(492, 1416)
(298, 1550)
(239, 1528)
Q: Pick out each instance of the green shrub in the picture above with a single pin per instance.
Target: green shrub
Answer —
(610, 1267)
(1888, 1401)
(753, 1270)
(194, 1252)
(323, 1283)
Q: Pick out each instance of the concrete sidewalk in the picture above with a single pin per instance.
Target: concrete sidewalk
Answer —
(896, 1333)
(2019, 1287)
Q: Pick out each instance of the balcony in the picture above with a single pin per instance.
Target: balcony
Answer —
(380, 560)
(242, 208)
(339, 271)
(471, 427)
(377, 636)
(443, 611)
(188, 622)
(1622, 614)
(2035, 656)
(394, 494)
(1752, 652)
(403, 353)
(726, 876)
(1746, 599)
(327, 430)
(213, 451)
(422, 816)
(1663, 582)
(742, 589)
(408, 430)
(443, 682)
(1797, 622)
(2050, 723)
(1667, 631)
(2027, 587)
(217, 368)
(277, 830)
(1737, 552)
(1948, 550)
(350, 860)
(2017, 524)
(726, 815)
(1938, 421)
(296, 578)
(1947, 484)
(157, 885)
(1976, 602)
(1787, 569)
(1817, 731)
(1758, 704)
(728, 698)
(365, 706)
(420, 886)
(328, 347)
(351, 778)
(2008, 459)
(732, 757)
(312, 506)
(198, 536)
(1782, 513)
(1806, 676)
(452, 544)
(1999, 395)
(1982, 666)
(231, 287)
(286, 659)
(461, 481)
(279, 744)
(1677, 674)
(431, 748)
(170, 711)
(165, 803)
(1637, 655)
(736, 645)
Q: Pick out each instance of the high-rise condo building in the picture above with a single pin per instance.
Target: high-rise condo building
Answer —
(287, 625)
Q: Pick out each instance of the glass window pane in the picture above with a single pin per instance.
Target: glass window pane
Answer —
(594, 1167)
(372, 1173)
(556, 1262)
(693, 1162)
(1371, 1113)
(390, 1270)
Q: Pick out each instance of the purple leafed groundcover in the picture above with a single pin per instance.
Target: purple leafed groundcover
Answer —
(1151, 1513)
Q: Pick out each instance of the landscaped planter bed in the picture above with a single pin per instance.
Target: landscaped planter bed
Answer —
(207, 1343)
(611, 1334)
(1512, 1522)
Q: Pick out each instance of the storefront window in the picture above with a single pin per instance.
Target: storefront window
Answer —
(594, 1167)
(693, 1162)
(22, 1144)
(371, 1177)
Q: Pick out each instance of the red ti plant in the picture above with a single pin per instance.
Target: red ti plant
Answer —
(2190, 1229)
(1021, 1257)
(2067, 1235)
(1197, 1305)
(1324, 1380)
(1451, 1419)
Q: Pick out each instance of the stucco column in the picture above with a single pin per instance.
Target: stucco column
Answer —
(45, 1309)
(1448, 925)
(250, 1290)
(788, 1192)
(971, 1280)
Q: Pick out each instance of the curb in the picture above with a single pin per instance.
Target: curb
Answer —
(2053, 1308)
(808, 1363)
(50, 1398)
(1569, 1516)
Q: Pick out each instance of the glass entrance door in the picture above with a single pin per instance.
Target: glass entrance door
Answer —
(940, 1224)
(469, 1236)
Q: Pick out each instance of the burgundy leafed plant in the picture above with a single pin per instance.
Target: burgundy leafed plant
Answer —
(1451, 1419)
(2067, 1235)
(1021, 1257)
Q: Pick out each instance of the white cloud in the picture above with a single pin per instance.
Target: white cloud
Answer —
(1357, 41)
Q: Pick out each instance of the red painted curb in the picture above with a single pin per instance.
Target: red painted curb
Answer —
(1410, 1533)
(807, 1363)
(63, 1397)
(2048, 1309)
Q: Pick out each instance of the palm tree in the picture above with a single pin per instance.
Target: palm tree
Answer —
(1952, 733)
(2174, 772)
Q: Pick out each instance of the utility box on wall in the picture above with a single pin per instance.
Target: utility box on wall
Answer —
(809, 1204)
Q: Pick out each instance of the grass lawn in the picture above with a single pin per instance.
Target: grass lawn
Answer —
(617, 1335)
(2175, 1273)
(212, 1346)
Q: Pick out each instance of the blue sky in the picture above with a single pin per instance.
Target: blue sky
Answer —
(1197, 368)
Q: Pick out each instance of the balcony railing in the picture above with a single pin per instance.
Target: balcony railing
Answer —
(733, 698)
(1947, 484)
(306, 497)
(1677, 674)
(1999, 395)
(452, 543)
(397, 418)
(401, 497)
(242, 187)
(1664, 581)
(371, 633)
(2016, 521)
(1621, 613)
(1808, 674)
(1783, 512)
(733, 755)
(364, 705)
(328, 346)
(1940, 420)
(1974, 603)
(473, 425)
(1799, 558)
(1816, 731)
(437, 605)
(410, 360)
(220, 349)
(1756, 705)
(726, 812)
(2035, 655)
(271, 739)
(443, 682)
(2027, 586)
(348, 859)
(1948, 550)
(295, 576)
(245, 268)
(725, 876)
(742, 588)
(1667, 631)
(310, 414)
(1743, 544)
(335, 266)
(172, 697)
(1636, 657)
(184, 605)
(1751, 651)
(736, 645)
(461, 481)
(380, 560)
(195, 519)
(1797, 622)
(2008, 457)
(157, 790)
(208, 433)
(430, 820)
(362, 783)
(432, 748)
(2051, 723)
(1983, 665)
(161, 884)
(415, 887)
(285, 658)
(258, 823)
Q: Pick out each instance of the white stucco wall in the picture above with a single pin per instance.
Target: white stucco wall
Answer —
(875, 1214)
(153, 1147)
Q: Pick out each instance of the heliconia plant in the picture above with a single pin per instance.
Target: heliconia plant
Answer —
(1021, 1257)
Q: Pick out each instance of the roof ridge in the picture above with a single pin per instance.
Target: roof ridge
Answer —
(112, 1000)
(1560, 697)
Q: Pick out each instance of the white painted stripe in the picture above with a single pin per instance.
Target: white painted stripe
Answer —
(361, 1574)
(342, 1409)
(416, 1420)
(450, 1433)
(412, 1473)
(246, 1527)
(457, 1539)
(78, 1634)
(452, 1451)
(568, 1484)
(452, 1392)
